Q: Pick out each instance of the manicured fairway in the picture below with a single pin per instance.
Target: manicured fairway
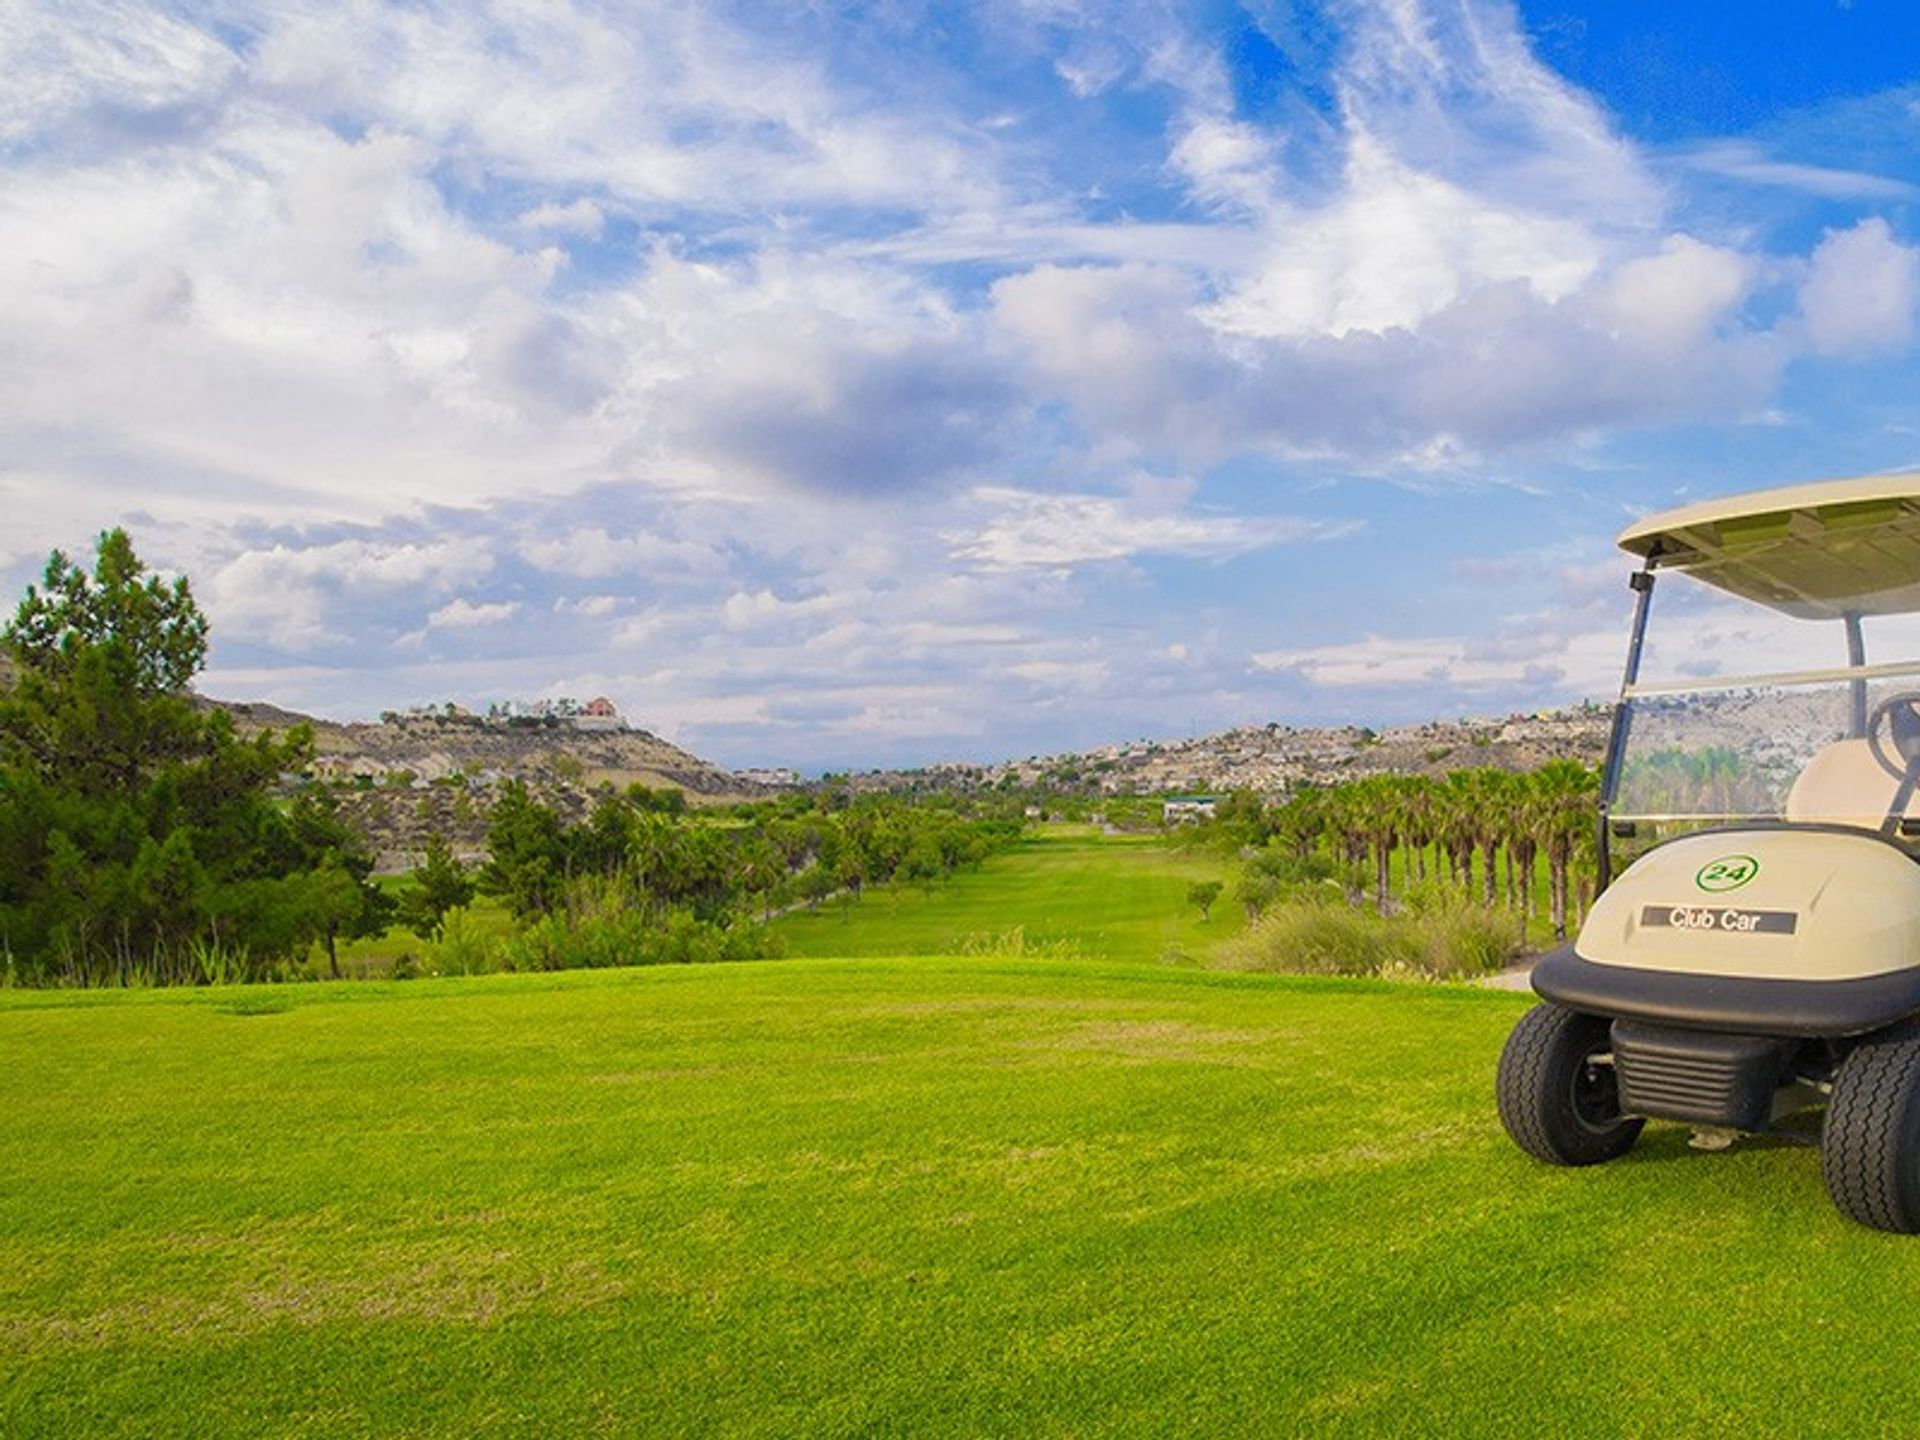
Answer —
(911, 1196)
(1110, 897)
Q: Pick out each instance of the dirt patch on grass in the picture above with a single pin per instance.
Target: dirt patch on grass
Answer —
(476, 1288)
(986, 1005)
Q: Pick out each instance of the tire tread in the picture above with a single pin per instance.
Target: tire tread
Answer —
(1867, 1145)
(1527, 1089)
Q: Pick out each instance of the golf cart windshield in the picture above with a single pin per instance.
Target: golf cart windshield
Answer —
(1782, 679)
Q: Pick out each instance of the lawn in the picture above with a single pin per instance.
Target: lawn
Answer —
(1107, 897)
(918, 1195)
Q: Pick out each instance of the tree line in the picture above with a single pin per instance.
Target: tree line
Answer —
(1480, 832)
(143, 841)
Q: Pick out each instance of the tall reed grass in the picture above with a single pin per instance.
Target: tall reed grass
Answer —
(1433, 935)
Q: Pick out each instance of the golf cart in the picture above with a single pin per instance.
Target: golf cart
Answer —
(1760, 956)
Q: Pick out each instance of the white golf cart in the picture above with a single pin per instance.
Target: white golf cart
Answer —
(1761, 957)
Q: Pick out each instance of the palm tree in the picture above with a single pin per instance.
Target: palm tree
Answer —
(1564, 792)
(1493, 794)
(1416, 807)
(1378, 800)
(1459, 825)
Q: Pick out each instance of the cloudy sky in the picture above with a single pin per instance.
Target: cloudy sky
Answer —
(869, 383)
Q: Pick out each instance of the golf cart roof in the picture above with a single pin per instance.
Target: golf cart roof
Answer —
(1819, 551)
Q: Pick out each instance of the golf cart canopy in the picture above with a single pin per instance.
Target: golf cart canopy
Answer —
(1823, 551)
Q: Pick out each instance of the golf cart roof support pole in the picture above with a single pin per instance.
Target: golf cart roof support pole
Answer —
(1641, 582)
(1856, 657)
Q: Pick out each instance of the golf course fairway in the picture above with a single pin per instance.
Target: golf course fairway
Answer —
(878, 1196)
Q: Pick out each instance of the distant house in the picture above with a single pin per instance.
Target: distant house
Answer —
(1185, 809)
(597, 714)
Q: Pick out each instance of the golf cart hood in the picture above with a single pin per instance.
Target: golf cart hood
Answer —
(1807, 930)
(1788, 902)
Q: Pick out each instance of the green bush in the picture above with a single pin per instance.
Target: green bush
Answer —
(462, 948)
(602, 925)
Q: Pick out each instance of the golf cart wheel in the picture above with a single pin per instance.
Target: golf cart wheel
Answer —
(1870, 1143)
(1557, 1103)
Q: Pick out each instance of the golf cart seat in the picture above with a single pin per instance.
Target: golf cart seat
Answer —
(1844, 785)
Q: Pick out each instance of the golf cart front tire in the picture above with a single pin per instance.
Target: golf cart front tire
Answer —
(1558, 1098)
(1870, 1143)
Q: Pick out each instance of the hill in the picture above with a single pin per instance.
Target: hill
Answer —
(433, 747)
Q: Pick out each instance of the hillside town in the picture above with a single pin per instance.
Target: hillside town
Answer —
(1273, 759)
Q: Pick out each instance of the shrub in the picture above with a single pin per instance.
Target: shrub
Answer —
(1438, 938)
(602, 925)
(1314, 938)
(462, 948)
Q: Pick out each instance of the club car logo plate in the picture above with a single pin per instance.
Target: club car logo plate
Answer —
(1729, 872)
(1722, 919)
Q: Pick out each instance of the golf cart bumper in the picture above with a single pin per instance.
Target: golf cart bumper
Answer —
(1728, 1004)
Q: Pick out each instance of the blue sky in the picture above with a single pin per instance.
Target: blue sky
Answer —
(887, 383)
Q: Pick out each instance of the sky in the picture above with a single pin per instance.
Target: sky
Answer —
(868, 384)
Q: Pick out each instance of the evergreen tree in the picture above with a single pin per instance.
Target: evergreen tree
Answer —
(440, 883)
(527, 853)
(136, 829)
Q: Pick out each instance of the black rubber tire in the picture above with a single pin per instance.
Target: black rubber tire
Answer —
(1558, 1107)
(1870, 1142)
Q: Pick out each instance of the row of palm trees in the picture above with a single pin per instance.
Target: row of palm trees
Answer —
(1463, 829)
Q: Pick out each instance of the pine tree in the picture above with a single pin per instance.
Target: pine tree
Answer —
(137, 830)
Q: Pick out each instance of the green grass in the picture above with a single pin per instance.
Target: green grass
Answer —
(1107, 897)
(919, 1195)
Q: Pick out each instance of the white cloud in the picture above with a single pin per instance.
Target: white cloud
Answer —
(596, 606)
(576, 217)
(464, 614)
(593, 553)
(302, 597)
(1396, 248)
(1049, 530)
(1554, 657)
(64, 59)
(1860, 291)
(1741, 160)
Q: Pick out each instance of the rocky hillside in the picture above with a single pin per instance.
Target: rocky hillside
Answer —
(433, 748)
(409, 777)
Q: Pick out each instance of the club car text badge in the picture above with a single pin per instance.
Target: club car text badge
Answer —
(1721, 918)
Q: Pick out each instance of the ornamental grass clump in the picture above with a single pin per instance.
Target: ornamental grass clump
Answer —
(1438, 938)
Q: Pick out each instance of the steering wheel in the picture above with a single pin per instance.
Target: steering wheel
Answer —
(1893, 729)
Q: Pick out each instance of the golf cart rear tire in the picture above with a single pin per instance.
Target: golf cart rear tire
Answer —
(1870, 1143)
(1556, 1104)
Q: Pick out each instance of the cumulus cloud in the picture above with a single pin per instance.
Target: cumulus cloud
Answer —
(1860, 291)
(295, 595)
(1499, 365)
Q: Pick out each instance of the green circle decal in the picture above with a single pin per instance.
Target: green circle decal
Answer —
(1729, 872)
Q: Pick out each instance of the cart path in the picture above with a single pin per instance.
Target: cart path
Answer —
(1514, 977)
